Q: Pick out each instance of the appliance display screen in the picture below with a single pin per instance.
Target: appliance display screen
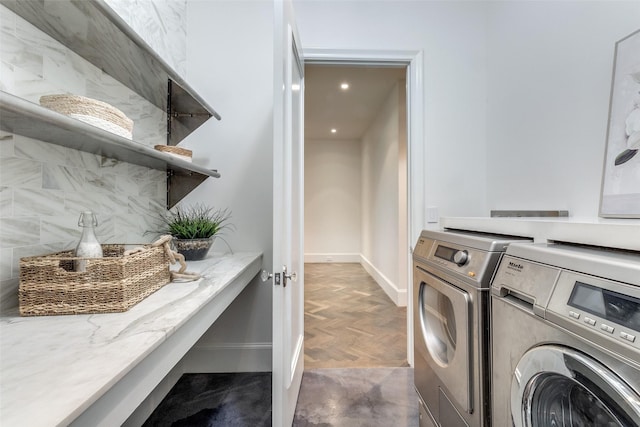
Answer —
(445, 253)
(616, 307)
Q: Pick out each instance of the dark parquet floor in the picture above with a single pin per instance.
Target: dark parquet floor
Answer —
(350, 322)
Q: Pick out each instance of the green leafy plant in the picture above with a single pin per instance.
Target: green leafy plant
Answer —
(197, 222)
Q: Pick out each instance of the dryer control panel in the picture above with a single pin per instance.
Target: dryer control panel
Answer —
(462, 255)
(464, 261)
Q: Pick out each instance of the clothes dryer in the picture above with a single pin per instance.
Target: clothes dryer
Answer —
(452, 271)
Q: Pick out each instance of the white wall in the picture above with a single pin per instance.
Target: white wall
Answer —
(380, 195)
(230, 63)
(332, 204)
(549, 76)
(452, 38)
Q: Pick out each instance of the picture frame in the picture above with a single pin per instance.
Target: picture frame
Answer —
(620, 190)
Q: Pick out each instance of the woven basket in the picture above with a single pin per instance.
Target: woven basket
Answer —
(179, 152)
(114, 283)
(91, 111)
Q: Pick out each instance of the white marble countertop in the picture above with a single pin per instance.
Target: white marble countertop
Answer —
(53, 368)
(613, 233)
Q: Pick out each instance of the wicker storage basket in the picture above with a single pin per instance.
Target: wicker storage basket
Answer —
(91, 111)
(114, 283)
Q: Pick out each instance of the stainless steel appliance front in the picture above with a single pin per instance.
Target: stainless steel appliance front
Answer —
(566, 337)
(451, 294)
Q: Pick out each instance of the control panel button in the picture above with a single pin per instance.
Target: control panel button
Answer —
(628, 337)
(606, 328)
(589, 321)
(574, 314)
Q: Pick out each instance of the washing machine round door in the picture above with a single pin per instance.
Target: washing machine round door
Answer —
(558, 386)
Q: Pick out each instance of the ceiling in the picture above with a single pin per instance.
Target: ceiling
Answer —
(350, 111)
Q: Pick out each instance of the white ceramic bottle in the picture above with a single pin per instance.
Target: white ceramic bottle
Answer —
(88, 247)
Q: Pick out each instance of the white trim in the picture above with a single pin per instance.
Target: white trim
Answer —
(399, 297)
(331, 257)
(415, 181)
(414, 59)
(229, 357)
(342, 56)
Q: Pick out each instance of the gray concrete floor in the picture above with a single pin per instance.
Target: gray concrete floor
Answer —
(352, 397)
(344, 397)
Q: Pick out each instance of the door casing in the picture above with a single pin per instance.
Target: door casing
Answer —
(413, 60)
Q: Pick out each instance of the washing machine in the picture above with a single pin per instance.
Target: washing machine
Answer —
(451, 276)
(565, 328)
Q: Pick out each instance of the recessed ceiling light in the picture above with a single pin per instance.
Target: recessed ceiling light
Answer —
(344, 86)
(334, 130)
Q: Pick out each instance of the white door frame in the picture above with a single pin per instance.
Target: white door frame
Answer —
(415, 143)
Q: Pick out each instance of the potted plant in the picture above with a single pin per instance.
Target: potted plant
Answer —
(195, 228)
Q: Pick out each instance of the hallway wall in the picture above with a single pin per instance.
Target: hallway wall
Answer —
(381, 185)
(332, 201)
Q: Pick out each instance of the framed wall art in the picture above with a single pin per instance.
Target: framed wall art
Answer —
(620, 194)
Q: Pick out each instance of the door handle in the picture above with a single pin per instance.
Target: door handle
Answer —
(293, 276)
(266, 276)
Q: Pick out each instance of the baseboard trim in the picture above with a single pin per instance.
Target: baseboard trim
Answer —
(399, 297)
(229, 357)
(331, 257)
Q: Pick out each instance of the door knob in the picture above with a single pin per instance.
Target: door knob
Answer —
(292, 276)
(265, 275)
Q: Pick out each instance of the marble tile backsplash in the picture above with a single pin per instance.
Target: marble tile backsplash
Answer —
(34, 64)
(161, 23)
(44, 187)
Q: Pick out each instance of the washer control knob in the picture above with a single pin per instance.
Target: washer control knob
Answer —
(461, 258)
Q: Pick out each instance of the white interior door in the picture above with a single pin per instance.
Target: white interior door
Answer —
(288, 265)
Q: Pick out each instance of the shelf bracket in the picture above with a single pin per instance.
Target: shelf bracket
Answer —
(181, 184)
(184, 113)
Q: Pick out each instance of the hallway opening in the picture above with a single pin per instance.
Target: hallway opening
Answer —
(356, 221)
